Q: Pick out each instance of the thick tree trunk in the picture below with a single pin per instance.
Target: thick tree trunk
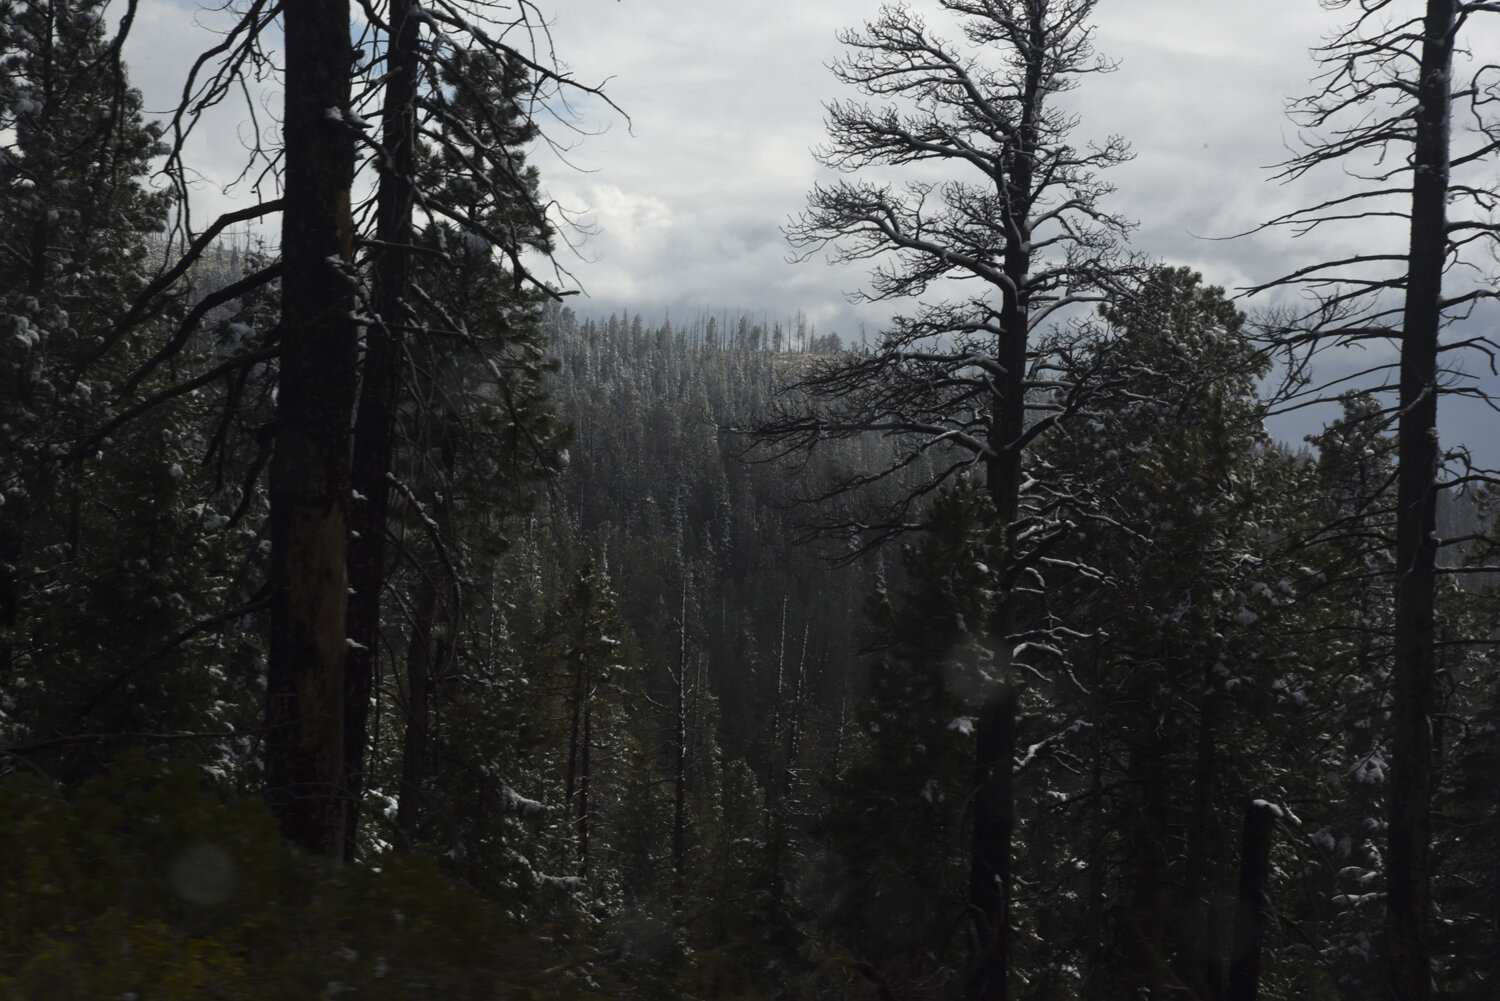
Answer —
(1408, 859)
(374, 427)
(309, 478)
(990, 880)
(1252, 905)
(1140, 955)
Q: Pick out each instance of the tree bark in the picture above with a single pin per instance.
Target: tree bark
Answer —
(1408, 860)
(374, 427)
(309, 477)
(1140, 955)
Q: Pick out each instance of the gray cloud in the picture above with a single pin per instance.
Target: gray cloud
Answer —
(726, 103)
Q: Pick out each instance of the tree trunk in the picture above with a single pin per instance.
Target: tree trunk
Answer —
(679, 776)
(1251, 907)
(1408, 861)
(1095, 977)
(419, 679)
(990, 862)
(13, 519)
(374, 426)
(1202, 964)
(309, 478)
(990, 881)
(585, 779)
(575, 731)
(1140, 955)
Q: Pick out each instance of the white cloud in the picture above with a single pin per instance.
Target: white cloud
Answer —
(635, 222)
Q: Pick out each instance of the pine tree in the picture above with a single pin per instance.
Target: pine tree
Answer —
(452, 408)
(1171, 475)
(75, 216)
(895, 827)
(309, 476)
(110, 549)
(584, 634)
(1342, 629)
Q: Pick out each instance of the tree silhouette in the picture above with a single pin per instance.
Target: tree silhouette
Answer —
(1383, 114)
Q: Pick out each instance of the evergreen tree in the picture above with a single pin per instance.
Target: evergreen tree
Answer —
(110, 551)
(1349, 617)
(1172, 477)
(894, 830)
(451, 408)
(584, 636)
(75, 215)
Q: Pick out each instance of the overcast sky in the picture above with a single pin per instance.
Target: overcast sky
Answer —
(725, 100)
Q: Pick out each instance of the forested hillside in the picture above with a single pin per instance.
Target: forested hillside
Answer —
(376, 619)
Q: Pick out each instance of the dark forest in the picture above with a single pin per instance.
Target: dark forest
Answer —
(381, 618)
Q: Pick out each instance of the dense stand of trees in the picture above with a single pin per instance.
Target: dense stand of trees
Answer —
(370, 621)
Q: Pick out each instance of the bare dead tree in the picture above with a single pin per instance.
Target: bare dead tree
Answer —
(999, 233)
(1383, 115)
